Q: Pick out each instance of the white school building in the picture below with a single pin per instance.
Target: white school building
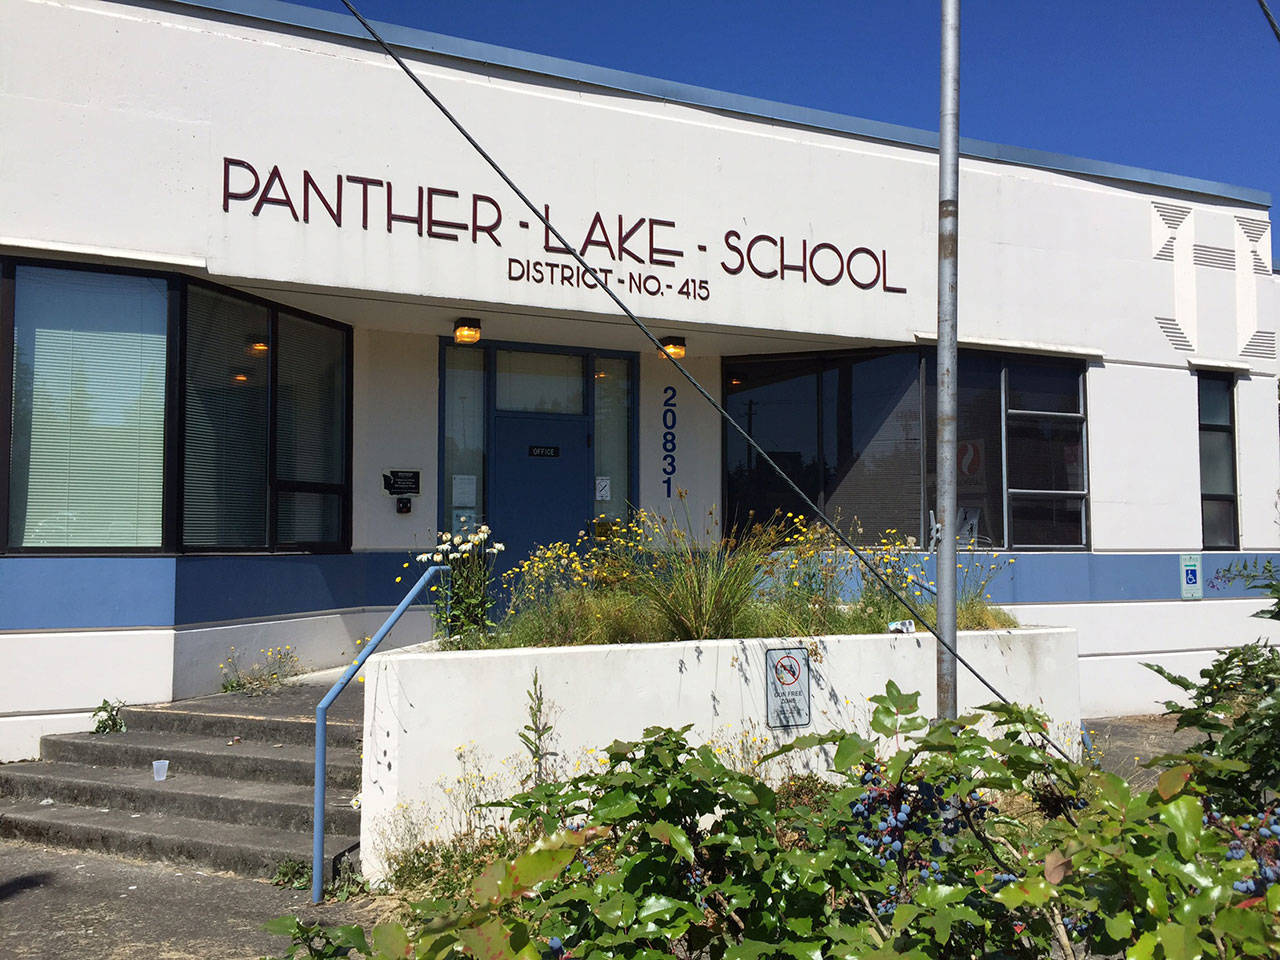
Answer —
(268, 324)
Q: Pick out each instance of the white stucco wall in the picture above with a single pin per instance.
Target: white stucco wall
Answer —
(168, 95)
(431, 718)
(396, 427)
(1117, 638)
(698, 437)
(1144, 470)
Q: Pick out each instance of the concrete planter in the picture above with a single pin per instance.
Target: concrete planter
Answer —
(441, 728)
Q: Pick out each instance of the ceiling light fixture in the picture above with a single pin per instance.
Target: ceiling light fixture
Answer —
(466, 330)
(673, 347)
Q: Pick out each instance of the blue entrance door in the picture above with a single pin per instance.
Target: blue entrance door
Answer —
(541, 484)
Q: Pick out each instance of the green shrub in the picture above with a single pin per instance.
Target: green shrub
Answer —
(910, 852)
(1236, 709)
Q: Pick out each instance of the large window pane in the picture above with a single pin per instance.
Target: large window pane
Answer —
(464, 474)
(87, 450)
(871, 445)
(979, 479)
(612, 384)
(1217, 463)
(1215, 400)
(1043, 385)
(225, 434)
(539, 382)
(1046, 522)
(777, 403)
(311, 401)
(1045, 454)
(306, 517)
(1219, 519)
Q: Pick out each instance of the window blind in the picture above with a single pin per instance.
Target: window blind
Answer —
(87, 466)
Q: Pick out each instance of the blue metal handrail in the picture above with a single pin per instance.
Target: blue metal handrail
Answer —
(322, 709)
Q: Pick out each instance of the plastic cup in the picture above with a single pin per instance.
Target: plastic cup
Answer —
(160, 769)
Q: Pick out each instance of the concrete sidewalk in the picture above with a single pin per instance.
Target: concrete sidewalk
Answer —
(58, 903)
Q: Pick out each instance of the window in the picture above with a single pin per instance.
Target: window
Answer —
(980, 521)
(778, 403)
(224, 499)
(86, 449)
(856, 432)
(154, 413)
(265, 431)
(311, 432)
(463, 478)
(1045, 453)
(871, 443)
(1217, 462)
(612, 430)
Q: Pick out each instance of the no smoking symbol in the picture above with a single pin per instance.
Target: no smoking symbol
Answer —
(787, 670)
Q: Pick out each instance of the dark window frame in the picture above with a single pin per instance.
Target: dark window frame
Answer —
(174, 419)
(1230, 430)
(1008, 496)
(1014, 494)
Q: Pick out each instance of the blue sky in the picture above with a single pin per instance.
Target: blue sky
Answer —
(1186, 86)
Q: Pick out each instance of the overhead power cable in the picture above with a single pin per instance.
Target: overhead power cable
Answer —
(1266, 12)
(724, 414)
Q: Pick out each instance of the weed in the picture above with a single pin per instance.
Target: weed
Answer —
(293, 874)
(107, 718)
(280, 663)
(536, 734)
(296, 875)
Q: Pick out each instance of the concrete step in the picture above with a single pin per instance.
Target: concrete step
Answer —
(209, 756)
(185, 717)
(240, 848)
(283, 806)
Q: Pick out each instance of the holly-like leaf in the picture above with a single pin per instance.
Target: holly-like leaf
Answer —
(850, 750)
(1056, 866)
(489, 886)
(618, 911)
(657, 907)
(492, 941)
(614, 806)
(283, 926)
(1119, 925)
(673, 836)
(1173, 780)
(1179, 942)
(349, 935)
(1033, 890)
(1182, 816)
(390, 942)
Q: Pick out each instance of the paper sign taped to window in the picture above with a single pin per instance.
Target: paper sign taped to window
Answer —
(464, 490)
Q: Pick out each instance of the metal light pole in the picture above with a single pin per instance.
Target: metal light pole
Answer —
(948, 221)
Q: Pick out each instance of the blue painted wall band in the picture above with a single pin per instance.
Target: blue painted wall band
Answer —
(86, 593)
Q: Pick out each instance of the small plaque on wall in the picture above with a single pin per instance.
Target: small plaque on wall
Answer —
(402, 483)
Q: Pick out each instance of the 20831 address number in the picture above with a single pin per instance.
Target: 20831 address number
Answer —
(669, 419)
